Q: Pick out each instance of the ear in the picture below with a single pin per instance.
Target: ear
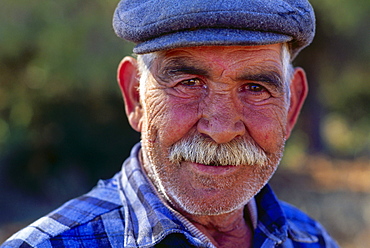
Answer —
(128, 80)
(298, 93)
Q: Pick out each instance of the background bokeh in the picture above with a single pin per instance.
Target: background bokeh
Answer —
(62, 123)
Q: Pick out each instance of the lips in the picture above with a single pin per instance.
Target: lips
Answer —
(211, 169)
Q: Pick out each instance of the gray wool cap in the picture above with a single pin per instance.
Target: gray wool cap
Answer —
(156, 25)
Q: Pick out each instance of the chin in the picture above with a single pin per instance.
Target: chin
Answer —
(218, 208)
(211, 201)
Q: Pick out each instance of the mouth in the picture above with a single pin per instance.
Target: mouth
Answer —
(214, 164)
(211, 169)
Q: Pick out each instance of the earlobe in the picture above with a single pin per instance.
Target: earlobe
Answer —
(298, 94)
(128, 80)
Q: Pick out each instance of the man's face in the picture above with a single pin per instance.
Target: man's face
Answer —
(218, 96)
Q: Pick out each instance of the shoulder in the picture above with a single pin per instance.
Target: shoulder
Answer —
(303, 228)
(80, 218)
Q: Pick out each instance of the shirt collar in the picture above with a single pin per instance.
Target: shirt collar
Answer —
(272, 222)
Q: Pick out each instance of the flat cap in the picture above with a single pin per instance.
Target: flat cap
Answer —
(156, 25)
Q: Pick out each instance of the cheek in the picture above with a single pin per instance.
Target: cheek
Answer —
(182, 117)
(154, 109)
(267, 126)
(168, 119)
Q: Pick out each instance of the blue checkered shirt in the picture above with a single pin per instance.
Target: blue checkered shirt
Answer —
(126, 211)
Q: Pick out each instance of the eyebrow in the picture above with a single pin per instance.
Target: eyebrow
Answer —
(270, 77)
(178, 66)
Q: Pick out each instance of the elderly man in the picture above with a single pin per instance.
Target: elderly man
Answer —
(215, 97)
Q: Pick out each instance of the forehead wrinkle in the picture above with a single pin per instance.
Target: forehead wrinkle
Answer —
(253, 52)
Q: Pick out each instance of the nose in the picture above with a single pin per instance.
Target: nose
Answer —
(221, 119)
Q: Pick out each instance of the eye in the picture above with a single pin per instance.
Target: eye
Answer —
(255, 88)
(193, 82)
(254, 92)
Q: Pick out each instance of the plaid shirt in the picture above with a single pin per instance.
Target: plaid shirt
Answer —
(126, 211)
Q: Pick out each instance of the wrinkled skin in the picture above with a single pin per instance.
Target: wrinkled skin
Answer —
(221, 93)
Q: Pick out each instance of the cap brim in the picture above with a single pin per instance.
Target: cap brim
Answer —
(210, 37)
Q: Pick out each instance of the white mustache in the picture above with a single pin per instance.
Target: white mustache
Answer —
(198, 149)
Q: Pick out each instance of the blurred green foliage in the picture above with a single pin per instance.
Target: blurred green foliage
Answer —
(62, 124)
(336, 118)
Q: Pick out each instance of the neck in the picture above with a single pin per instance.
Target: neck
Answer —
(227, 230)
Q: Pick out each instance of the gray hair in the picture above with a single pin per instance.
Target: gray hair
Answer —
(286, 58)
